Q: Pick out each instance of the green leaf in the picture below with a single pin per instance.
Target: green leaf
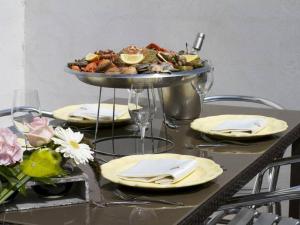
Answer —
(43, 163)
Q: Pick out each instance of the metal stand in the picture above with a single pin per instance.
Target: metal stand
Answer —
(167, 146)
(124, 81)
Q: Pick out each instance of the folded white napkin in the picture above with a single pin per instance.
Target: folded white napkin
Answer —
(249, 125)
(160, 171)
(89, 111)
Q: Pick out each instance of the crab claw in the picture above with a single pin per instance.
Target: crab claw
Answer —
(156, 47)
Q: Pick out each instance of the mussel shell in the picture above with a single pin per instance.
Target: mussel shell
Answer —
(80, 63)
(142, 67)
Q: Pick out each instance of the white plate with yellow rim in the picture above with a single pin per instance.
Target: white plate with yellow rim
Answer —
(206, 171)
(65, 113)
(207, 124)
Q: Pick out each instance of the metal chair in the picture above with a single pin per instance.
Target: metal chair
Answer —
(273, 176)
(243, 209)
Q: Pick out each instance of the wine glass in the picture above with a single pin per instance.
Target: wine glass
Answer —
(141, 107)
(26, 106)
(204, 82)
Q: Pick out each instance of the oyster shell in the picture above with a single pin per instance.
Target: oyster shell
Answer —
(113, 70)
(149, 56)
(128, 70)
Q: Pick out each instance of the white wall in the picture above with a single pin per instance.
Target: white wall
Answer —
(254, 44)
(11, 51)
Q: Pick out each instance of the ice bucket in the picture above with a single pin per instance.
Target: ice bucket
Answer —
(183, 101)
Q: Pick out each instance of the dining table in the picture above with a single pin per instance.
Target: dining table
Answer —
(240, 164)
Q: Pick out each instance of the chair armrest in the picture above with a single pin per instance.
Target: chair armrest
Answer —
(46, 114)
(282, 162)
(262, 198)
(275, 163)
(7, 112)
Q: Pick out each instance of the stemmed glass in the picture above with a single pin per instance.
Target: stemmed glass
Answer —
(26, 106)
(141, 107)
(204, 82)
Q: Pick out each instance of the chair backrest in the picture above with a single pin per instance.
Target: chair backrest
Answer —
(242, 98)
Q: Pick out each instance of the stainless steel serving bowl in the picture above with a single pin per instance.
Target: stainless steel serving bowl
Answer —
(182, 101)
(156, 80)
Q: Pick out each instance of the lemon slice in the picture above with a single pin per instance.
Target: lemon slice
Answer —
(91, 57)
(185, 68)
(132, 58)
(190, 58)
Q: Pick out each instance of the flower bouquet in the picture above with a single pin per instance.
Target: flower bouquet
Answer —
(49, 152)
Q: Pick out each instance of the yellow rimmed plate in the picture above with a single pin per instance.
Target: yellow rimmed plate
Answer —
(206, 170)
(65, 112)
(206, 124)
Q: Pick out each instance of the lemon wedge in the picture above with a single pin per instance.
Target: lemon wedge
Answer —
(185, 68)
(132, 58)
(91, 57)
(190, 58)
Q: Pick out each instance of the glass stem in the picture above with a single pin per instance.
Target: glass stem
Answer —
(201, 96)
(143, 146)
(143, 131)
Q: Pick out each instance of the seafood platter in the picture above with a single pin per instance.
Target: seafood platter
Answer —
(143, 67)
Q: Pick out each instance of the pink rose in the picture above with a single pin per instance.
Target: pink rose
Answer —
(40, 132)
(10, 151)
(38, 122)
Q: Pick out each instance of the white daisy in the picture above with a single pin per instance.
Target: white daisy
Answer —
(70, 146)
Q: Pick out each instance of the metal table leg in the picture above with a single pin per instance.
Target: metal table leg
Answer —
(294, 206)
(151, 124)
(115, 139)
(164, 114)
(98, 115)
(113, 122)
